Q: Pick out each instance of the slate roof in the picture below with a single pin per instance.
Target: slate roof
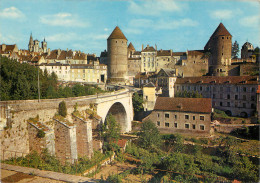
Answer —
(195, 52)
(179, 53)
(137, 53)
(117, 34)
(218, 80)
(164, 53)
(150, 84)
(170, 72)
(198, 105)
(149, 49)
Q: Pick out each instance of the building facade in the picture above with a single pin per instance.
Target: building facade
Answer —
(34, 45)
(236, 95)
(148, 59)
(182, 115)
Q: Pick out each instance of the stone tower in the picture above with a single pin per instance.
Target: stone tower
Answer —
(130, 49)
(44, 46)
(30, 45)
(117, 57)
(220, 46)
(247, 50)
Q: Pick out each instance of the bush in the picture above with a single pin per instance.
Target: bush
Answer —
(62, 109)
(40, 134)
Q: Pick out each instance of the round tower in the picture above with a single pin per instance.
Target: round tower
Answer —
(220, 46)
(247, 50)
(117, 57)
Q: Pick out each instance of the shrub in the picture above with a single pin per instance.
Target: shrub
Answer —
(41, 134)
(62, 109)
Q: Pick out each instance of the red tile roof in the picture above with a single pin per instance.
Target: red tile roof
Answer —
(221, 31)
(179, 53)
(200, 105)
(258, 91)
(131, 47)
(195, 52)
(117, 34)
(149, 49)
(218, 80)
(122, 143)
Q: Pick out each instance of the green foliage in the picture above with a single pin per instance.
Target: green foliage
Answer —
(45, 161)
(149, 136)
(62, 109)
(20, 82)
(137, 103)
(188, 94)
(40, 134)
(110, 133)
(235, 50)
(250, 132)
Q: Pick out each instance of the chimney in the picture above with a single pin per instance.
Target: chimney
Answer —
(58, 54)
(155, 47)
(142, 47)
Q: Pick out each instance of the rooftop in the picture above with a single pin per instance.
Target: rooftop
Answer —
(200, 105)
(117, 34)
(219, 80)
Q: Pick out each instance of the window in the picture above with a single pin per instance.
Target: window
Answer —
(187, 126)
(221, 89)
(167, 124)
(244, 97)
(193, 126)
(158, 115)
(175, 116)
(252, 98)
(228, 104)
(175, 125)
(228, 96)
(158, 123)
(236, 97)
(202, 127)
(202, 118)
(201, 88)
(193, 117)
(214, 96)
(252, 89)
(221, 96)
(253, 106)
(186, 116)
(244, 89)
(220, 103)
(167, 115)
(244, 105)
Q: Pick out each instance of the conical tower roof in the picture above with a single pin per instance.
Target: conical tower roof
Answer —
(131, 46)
(117, 34)
(221, 31)
(31, 39)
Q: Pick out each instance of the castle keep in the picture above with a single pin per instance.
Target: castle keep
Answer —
(117, 57)
(219, 46)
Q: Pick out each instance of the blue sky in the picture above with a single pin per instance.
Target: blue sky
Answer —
(85, 24)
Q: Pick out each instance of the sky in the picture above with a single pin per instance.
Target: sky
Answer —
(86, 24)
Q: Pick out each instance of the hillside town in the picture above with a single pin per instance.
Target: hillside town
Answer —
(200, 94)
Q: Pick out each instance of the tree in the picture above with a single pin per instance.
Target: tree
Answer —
(149, 136)
(62, 109)
(235, 50)
(137, 102)
(110, 132)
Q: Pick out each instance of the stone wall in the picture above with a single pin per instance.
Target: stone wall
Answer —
(84, 136)
(65, 142)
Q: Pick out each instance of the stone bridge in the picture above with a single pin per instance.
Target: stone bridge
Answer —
(14, 115)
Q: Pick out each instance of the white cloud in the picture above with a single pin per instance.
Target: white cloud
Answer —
(12, 13)
(162, 24)
(222, 14)
(154, 7)
(133, 31)
(63, 19)
(9, 39)
(106, 29)
(141, 23)
(62, 37)
(250, 21)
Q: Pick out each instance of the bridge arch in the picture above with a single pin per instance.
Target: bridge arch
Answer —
(119, 112)
(120, 108)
